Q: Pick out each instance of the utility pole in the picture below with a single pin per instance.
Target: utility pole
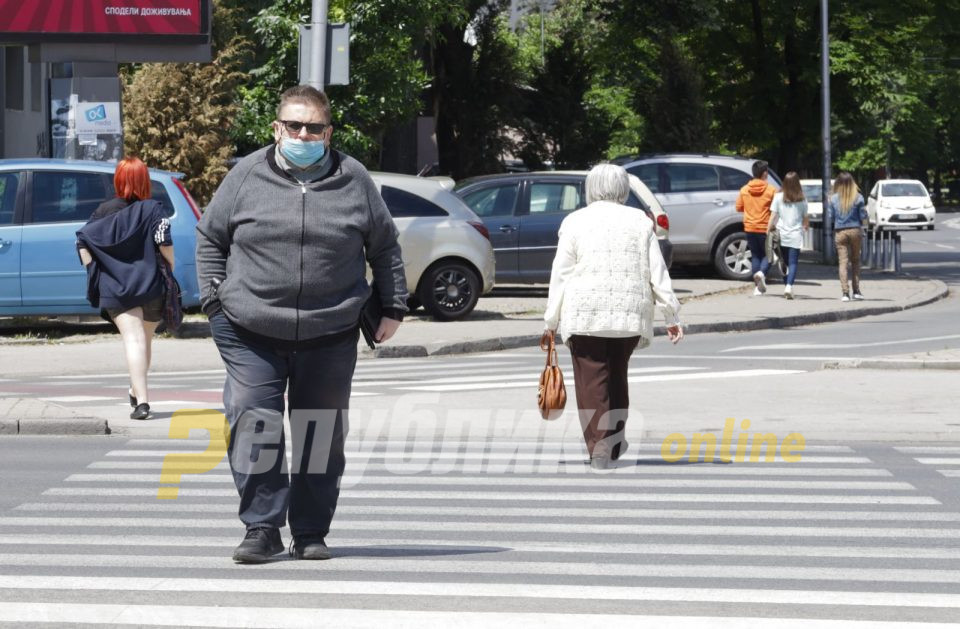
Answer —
(825, 113)
(318, 44)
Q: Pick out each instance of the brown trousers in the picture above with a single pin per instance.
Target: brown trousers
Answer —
(848, 252)
(603, 396)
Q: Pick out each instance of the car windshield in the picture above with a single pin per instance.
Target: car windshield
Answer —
(903, 190)
(812, 192)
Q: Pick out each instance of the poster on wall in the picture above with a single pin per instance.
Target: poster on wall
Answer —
(81, 129)
(98, 118)
(104, 17)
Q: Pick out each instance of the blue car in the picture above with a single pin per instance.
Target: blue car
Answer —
(43, 202)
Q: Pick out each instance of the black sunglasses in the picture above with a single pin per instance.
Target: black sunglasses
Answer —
(313, 128)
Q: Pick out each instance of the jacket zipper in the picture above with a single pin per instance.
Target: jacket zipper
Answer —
(303, 223)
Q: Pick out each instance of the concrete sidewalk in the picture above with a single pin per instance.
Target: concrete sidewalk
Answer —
(707, 306)
(511, 318)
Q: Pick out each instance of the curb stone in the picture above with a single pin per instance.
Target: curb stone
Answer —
(766, 323)
(40, 426)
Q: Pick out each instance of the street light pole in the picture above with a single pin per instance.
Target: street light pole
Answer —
(318, 44)
(825, 113)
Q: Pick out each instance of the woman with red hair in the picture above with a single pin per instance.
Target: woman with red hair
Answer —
(122, 246)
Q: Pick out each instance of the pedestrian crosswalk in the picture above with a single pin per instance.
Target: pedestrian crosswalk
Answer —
(482, 373)
(497, 535)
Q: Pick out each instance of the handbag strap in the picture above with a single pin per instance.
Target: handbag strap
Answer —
(548, 344)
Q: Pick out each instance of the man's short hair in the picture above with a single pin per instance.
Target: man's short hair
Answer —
(305, 95)
(760, 167)
(607, 182)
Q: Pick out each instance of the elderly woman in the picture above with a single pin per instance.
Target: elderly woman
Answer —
(606, 276)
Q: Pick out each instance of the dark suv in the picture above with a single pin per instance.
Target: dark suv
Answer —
(699, 193)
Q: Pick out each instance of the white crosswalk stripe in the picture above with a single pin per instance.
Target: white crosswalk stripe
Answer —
(817, 543)
(481, 373)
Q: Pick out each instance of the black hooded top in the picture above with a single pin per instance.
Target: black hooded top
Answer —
(123, 238)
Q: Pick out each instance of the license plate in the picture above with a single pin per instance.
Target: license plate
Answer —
(907, 217)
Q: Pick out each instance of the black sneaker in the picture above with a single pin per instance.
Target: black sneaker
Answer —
(258, 546)
(142, 411)
(309, 547)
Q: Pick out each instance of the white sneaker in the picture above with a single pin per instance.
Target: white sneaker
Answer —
(845, 297)
(857, 296)
(757, 292)
(788, 292)
(760, 281)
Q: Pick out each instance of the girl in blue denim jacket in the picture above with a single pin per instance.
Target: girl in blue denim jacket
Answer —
(848, 213)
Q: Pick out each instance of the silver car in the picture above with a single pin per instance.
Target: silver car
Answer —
(699, 193)
(447, 253)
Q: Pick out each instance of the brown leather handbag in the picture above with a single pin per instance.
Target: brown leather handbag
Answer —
(552, 395)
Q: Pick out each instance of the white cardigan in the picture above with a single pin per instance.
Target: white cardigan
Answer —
(607, 274)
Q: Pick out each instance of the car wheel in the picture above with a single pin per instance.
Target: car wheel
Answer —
(930, 227)
(449, 290)
(732, 257)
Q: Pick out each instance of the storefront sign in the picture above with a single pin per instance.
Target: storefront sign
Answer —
(103, 17)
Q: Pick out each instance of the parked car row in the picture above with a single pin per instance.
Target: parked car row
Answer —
(43, 202)
(457, 240)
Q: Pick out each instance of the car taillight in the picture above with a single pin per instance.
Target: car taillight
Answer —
(663, 221)
(186, 195)
(480, 227)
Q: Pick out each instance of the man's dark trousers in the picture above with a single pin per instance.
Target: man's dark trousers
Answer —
(319, 395)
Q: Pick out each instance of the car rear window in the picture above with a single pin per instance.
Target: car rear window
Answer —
(403, 204)
(636, 202)
(903, 190)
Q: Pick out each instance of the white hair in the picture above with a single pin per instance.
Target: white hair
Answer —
(607, 182)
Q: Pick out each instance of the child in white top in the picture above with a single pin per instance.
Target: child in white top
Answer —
(788, 214)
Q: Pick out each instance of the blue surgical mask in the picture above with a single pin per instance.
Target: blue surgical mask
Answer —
(302, 154)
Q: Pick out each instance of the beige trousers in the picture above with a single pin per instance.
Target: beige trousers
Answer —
(848, 252)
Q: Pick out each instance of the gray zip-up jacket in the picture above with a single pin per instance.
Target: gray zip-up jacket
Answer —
(289, 257)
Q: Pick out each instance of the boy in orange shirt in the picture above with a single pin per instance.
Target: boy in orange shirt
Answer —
(754, 201)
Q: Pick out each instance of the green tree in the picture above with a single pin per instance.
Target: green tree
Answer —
(574, 108)
(177, 116)
(473, 93)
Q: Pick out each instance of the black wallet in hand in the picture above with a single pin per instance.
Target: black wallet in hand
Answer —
(370, 317)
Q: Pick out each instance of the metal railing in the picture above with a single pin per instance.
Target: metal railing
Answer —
(880, 248)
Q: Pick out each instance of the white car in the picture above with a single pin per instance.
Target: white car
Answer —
(813, 194)
(447, 253)
(900, 203)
